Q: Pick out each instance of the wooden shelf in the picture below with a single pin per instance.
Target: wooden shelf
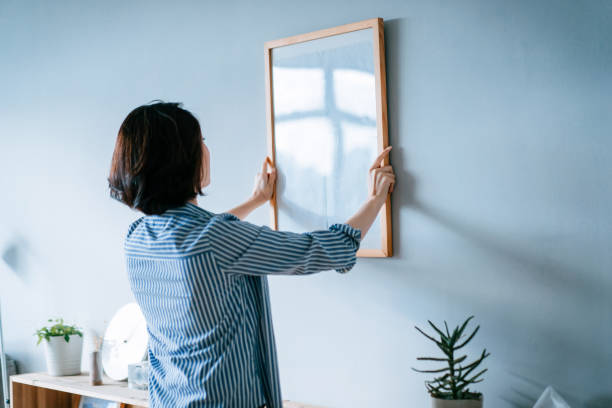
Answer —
(40, 390)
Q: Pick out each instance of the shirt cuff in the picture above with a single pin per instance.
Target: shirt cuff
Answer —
(353, 239)
(351, 232)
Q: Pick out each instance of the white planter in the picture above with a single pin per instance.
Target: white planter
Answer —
(441, 403)
(64, 358)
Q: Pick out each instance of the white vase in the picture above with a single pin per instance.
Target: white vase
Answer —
(442, 403)
(63, 357)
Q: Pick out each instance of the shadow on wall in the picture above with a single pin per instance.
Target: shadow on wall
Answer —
(600, 401)
(394, 56)
(536, 266)
(579, 291)
(14, 253)
(541, 272)
(572, 282)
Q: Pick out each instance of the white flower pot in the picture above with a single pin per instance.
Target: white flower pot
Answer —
(64, 357)
(442, 403)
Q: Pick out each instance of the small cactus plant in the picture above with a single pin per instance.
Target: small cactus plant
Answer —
(457, 375)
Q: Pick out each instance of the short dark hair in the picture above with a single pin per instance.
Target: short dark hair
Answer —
(158, 159)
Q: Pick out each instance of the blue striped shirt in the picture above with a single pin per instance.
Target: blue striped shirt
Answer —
(200, 280)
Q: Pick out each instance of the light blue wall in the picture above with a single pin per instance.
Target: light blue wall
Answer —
(500, 115)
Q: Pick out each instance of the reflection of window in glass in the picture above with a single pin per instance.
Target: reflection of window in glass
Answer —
(324, 102)
(362, 138)
(354, 92)
(358, 149)
(298, 90)
(308, 142)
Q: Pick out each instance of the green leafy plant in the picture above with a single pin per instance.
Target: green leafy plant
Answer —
(59, 329)
(454, 379)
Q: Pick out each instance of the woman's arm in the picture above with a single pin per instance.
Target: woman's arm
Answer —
(244, 209)
(262, 191)
(244, 248)
(381, 180)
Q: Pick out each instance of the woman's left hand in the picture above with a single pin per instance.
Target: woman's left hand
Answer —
(264, 182)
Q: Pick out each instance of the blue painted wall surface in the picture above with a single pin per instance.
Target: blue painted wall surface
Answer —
(500, 115)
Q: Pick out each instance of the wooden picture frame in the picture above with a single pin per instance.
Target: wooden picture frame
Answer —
(376, 25)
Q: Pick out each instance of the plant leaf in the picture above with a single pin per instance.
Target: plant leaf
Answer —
(440, 345)
(442, 335)
(471, 380)
(460, 359)
(441, 370)
(464, 325)
(432, 359)
(426, 335)
(468, 339)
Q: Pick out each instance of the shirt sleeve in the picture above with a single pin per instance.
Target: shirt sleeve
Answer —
(245, 248)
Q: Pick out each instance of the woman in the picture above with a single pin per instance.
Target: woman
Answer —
(199, 277)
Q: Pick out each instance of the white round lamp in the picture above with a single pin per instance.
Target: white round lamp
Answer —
(125, 341)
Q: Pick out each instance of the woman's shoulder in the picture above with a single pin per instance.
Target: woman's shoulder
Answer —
(189, 215)
(178, 232)
(187, 222)
(187, 230)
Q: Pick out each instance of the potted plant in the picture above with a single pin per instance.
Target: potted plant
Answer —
(450, 388)
(63, 347)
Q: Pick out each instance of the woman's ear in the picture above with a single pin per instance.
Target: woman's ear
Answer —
(205, 166)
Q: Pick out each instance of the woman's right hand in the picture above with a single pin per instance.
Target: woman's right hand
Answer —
(262, 191)
(264, 182)
(381, 178)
